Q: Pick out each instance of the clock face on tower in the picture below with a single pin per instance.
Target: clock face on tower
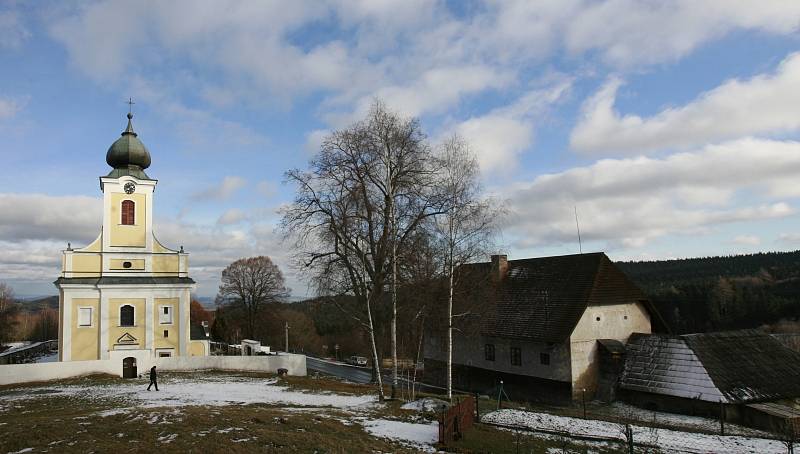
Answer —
(129, 187)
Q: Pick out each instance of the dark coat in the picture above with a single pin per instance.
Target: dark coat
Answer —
(152, 374)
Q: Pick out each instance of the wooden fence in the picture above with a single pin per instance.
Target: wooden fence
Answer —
(456, 419)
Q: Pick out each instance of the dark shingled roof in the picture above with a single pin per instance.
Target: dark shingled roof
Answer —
(123, 280)
(198, 332)
(543, 298)
(734, 367)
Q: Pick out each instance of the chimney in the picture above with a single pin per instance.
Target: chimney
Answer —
(499, 267)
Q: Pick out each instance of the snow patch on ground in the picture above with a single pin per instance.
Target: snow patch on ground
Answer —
(48, 358)
(680, 422)
(209, 391)
(663, 438)
(426, 404)
(112, 412)
(419, 436)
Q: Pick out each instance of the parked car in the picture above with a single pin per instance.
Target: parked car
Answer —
(357, 361)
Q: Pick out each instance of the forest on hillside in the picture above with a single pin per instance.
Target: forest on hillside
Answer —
(720, 293)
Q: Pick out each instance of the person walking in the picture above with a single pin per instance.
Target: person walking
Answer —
(152, 378)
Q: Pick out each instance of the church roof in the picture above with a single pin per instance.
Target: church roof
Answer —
(124, 280)
(128, 155)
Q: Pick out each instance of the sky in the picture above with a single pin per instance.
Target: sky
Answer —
(670, 126)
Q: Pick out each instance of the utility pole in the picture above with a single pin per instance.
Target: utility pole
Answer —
(286, 326)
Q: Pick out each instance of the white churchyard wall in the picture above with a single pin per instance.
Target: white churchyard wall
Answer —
(22, 373)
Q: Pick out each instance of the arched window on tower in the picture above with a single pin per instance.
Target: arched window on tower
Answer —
(128, 212)
(126, 315)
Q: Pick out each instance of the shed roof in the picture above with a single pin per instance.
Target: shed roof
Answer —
(732, 367)
(198, 332)
(543, 298)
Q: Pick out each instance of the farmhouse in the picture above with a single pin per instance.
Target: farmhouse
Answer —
(546, 328)
(125, 296)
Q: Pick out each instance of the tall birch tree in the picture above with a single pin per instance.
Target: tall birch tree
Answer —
(466, 226)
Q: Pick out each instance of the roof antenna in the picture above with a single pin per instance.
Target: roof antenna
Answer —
(578, 227)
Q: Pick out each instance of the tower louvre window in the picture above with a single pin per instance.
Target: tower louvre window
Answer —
(128, 212)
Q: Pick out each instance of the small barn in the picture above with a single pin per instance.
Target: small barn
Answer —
(745, 376)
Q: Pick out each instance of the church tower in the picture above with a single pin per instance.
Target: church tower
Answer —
(125, 296)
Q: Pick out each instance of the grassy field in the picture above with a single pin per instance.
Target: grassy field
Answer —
(213, 412)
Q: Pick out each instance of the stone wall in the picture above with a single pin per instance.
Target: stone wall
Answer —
(24, 373)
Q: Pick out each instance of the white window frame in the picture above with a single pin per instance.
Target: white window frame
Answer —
(119, 316)
(171, 352)
(91, 316)
(162, 315)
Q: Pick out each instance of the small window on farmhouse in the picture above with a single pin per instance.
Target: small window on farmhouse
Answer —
(166, 315)
(84, 316)
(597, 318)
(625, 317)
(126, 315)
(544, 358)
(488, 352)
(166, 333)
(516, 356)
(128, 212)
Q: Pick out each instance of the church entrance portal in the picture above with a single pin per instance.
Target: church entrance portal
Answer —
(129, 367)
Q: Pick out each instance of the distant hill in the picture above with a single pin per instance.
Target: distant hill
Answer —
(717, 293)
(37, 304)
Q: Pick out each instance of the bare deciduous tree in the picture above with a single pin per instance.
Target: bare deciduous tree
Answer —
(366, 193)
(8, 312)
(252, 283)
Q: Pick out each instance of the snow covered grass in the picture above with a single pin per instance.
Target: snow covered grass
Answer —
(665, 439)
(243, 412)
(420, 436)
(219, 390)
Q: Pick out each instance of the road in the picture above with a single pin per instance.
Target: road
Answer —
(357, 374)
(354, 374)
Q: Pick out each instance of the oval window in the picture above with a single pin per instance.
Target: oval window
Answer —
(127, 264)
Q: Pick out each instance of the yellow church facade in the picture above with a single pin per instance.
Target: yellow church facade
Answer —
(126, 296)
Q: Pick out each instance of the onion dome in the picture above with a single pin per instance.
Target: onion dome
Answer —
(128, 155)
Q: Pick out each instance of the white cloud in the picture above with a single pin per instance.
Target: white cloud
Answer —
(35, 228)
(629, 32)
(420, 57)
(43, 217)
(789, 238)
(223, 191)
(232, 216)
(501, 135)
(12, 30)
(630, 202)
(747, 240)
(496, 140)
(766, 103)
(439, 88)
(267, 189)
(314, 140)
(10, 107)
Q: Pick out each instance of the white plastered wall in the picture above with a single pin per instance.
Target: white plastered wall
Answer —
(616, 321)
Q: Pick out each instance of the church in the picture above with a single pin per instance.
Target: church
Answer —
(125, 296)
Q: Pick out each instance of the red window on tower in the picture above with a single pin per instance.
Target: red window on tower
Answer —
(128, 208)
